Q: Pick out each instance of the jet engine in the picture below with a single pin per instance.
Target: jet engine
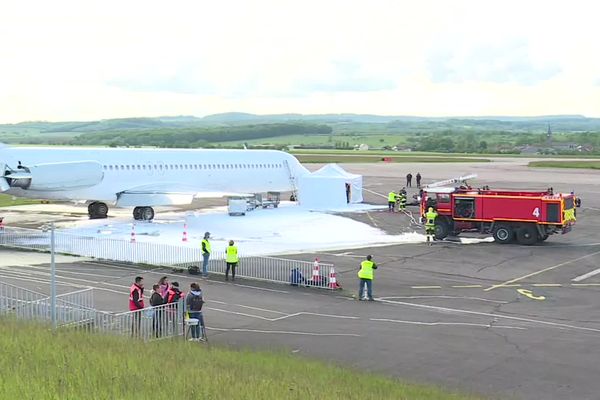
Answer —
(52, 176)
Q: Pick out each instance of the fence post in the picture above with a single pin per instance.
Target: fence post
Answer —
(52, 278)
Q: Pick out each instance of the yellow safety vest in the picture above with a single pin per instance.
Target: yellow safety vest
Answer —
(232, 254)
(206, 245)
(392, 197)
(430, 217)
(366, 270)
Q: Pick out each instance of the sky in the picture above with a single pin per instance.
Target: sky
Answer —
(85, 60)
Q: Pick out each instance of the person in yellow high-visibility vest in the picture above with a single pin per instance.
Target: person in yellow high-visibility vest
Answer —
(430, 217)
(391, 201)
(232, 259)
(205, 254)
(365, 274)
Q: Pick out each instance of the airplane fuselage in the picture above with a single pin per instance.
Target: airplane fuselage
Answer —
(145, 171)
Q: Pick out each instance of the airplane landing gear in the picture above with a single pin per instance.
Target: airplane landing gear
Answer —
(97, 210)
(143, 213)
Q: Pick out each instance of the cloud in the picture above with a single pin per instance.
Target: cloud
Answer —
(508, 62)
(346, 77)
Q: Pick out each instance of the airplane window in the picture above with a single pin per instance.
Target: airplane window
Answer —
(155, 166)
(161, 167)
(110, 167)
(144, 166)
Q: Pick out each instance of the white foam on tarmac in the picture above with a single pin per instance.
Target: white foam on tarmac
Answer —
(287, 229)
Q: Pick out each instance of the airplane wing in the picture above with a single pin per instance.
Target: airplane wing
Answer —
(167, 193)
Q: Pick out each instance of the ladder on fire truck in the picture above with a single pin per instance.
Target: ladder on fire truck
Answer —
(460, 179)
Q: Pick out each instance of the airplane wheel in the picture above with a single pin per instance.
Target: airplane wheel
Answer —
(137, 215)
(102, 209)
(147, 213)
(97, 210)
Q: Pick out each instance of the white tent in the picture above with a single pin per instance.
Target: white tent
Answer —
(329, 188)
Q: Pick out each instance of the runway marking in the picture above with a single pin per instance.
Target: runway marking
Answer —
(372, 220)
(466, 286)
(487, 326)
(282, 332)
(546, 284)
(425, 287)
(529, 293)
(585, 276)
(60, 283)
(60, 270)
(492, 315)
(47, 274)
(445, 297)
(258, 309)
(239, 313)
(329, 315)
(541, 271)
(585, 284)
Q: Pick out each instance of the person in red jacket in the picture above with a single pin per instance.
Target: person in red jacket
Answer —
(173, 297)
(136, 303)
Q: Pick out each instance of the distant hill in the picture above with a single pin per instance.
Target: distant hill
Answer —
(558, 122)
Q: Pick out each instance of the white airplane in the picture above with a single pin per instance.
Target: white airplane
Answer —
(142, 178)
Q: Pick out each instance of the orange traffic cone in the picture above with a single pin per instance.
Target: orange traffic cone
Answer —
(184, 238)
(132, 233)
(333, 280)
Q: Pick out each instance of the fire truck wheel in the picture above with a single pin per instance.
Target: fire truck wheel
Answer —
(441, 230)
(527, 235)
(503, 234)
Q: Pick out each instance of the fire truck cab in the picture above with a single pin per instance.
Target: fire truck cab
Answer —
(525, 216)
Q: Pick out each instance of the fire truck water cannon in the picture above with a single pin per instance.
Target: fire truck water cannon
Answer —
(524, 216)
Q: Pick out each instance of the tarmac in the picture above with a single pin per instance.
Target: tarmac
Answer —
(504, 321)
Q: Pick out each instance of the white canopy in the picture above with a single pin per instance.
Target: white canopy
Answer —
(329, 188)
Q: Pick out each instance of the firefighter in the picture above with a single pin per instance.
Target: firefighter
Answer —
(391, 201)
(430, 217)
(402, 200)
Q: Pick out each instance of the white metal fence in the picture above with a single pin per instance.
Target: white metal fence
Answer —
(270, 269)
(76, 309)
(71, 308)
(165, 321)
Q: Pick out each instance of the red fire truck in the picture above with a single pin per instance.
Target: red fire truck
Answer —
(525, 216)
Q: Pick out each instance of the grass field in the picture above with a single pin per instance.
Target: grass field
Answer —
(371, 158)
(566, 164)
(8, 200)
(38, 364)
